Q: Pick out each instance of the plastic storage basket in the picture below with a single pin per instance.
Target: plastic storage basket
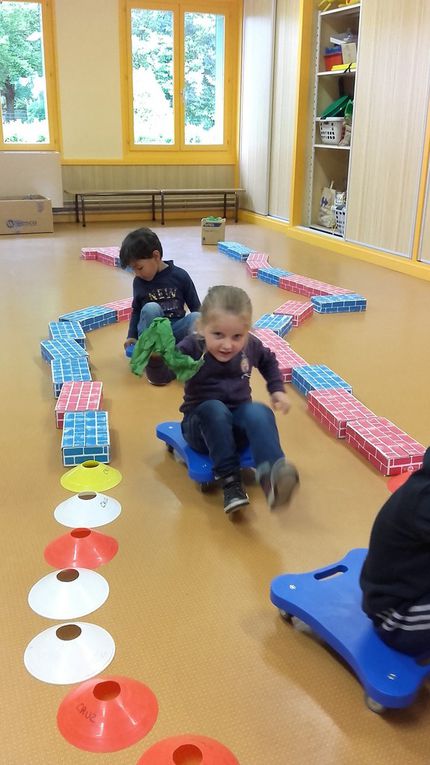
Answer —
(340, 215)
(331, 131)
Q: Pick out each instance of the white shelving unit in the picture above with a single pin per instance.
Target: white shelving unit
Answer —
(329, 162)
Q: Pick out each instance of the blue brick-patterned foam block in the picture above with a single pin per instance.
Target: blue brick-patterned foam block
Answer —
(235, 250)
(67, 330)
(272, 275)
(278, 323)
(93, 317)
(61, 349)
(69, 370)
(317, 377)
(339, 303)
(85, 437)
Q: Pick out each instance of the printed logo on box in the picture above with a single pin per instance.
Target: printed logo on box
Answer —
(16, 223)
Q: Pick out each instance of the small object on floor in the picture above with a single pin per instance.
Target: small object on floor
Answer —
(129, 350)
(68, 594)
(278, 482)
(88, 508)
(188, 748)
(90, 476)
(106, 714)
(396, 481)
(69, 653)
(328, 600)
(200, 467)
(81, 548)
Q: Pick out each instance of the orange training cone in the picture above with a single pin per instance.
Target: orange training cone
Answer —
(396, 481)
(81, 548)
(188, 750)
(107, 714)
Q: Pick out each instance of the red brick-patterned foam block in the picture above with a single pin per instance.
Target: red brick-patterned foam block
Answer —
(304, 285)
(334, 408)
(122, 308)
(78, 397)
(385, 445)
(255, 261)
(299, 311)
(285, 356)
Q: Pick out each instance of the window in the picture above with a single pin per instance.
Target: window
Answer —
(181, 71)
(26, 81)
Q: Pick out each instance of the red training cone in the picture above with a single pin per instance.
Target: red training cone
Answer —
(188, 750)
(107, 714)
(81, 548)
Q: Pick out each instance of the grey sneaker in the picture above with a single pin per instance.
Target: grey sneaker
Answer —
(234, 494)
(278, 482)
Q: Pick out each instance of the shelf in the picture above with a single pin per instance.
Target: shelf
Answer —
(338, 73)
(325, 230)
(346, 10)
(330, 146)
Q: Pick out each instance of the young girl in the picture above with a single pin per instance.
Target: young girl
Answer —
(220, 418)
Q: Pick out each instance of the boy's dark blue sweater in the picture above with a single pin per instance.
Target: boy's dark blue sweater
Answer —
(172, 288)
(228, 381)
(396, 571)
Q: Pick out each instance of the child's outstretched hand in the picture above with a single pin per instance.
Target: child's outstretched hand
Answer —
(280, 402)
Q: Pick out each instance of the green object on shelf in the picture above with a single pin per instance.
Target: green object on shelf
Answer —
(348, 109)
(336, 108)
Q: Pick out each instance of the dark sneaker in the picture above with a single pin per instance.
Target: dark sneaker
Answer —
(278, 482)
(234, 494)
(157, 371)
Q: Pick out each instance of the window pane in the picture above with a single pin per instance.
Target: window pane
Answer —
(22, 74)
(152, 63)
(204, 45)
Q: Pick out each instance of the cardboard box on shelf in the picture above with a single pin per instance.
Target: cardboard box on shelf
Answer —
(213, 230)
(349, 53)
(26, 215)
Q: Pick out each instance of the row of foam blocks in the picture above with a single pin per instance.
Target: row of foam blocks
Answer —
(79, 399)
(329, 398)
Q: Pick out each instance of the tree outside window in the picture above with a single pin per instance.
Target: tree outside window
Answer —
(23, 88)
(177, 59)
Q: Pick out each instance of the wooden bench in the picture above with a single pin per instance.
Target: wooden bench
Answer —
(226, 197)
(82, 196)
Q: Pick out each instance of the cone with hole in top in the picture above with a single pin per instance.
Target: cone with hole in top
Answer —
(107, 714)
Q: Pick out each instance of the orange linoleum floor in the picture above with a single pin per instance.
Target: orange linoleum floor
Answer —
(189, 605)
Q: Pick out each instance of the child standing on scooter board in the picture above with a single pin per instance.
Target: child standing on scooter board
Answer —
(220, 418)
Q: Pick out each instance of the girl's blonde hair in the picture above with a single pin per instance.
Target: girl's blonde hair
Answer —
(225, 298)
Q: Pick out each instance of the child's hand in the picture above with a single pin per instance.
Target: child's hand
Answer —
(280, 402)
(130, 341)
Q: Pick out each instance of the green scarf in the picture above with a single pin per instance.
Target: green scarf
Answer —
(159, 338)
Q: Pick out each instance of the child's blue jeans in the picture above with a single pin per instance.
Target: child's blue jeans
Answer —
(212, 428)
(180, 327)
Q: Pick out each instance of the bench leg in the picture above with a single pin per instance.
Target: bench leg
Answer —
(76, 209)
(84, 222)
(225, 206)
(153, 206)
(236, 206)
(162, 209)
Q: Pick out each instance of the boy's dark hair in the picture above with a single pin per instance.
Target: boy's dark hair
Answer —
(139, 245)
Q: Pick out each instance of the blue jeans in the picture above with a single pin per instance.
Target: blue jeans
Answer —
(212, 428)
(180, 327)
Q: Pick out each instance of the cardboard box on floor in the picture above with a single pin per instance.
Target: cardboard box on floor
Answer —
(213, 230)
(26, 215)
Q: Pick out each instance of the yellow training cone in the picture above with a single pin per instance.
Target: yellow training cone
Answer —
(90, 476)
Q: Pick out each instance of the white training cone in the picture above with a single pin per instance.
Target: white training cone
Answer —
(69, 653)
(68, 594)
(89, 509)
